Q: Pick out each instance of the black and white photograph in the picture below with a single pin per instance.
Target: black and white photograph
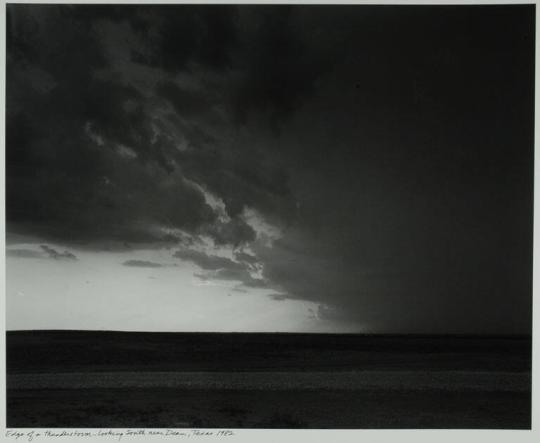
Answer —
(269, 216)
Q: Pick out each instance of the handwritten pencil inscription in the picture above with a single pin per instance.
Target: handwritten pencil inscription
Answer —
(115, 434)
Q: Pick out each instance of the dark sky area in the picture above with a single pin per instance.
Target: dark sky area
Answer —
(389, 149)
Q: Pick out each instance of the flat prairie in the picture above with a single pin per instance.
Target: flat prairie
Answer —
(322, 381)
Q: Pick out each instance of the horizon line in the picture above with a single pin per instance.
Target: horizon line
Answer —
(372, 334)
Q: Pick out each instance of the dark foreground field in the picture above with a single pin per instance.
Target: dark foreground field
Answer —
(111, 379)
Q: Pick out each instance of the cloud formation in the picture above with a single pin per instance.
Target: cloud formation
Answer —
(106, 145)
(142, 264)
(54, 254)
(207, 262)
(388, 159)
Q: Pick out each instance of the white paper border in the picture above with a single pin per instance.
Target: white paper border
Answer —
(300, 436)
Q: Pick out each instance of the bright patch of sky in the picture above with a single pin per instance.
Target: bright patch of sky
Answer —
(98, 291)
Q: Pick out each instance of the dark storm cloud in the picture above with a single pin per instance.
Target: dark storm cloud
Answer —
(92, 155)
(46, 252)
(279, 64)
(198, 34)
(240, 185)
(415, 210)
(248, 259)
(54, 254)
(187, 103)
(142, 264)
(392, 146)
(234, 232)
(231, 274)
(207, 262)
(240, 275)
(276, 67)
(279, 297)
(59, 174)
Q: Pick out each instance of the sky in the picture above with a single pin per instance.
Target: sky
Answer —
(351, 168)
